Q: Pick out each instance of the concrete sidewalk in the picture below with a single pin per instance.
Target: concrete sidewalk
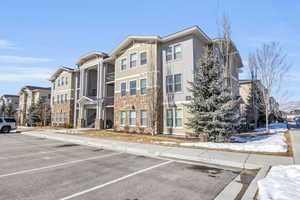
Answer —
(295, 137)
(232, 159)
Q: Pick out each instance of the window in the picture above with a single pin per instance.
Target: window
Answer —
(66, 97)
(53, 85)
(1, 120)
(123, 64)
(143, 58)
(61, 98)
(169, 117)
(132, 118)
(143, 86)
(169, 83)
(10, 120)
(132, 88)
(62, 81)
(123, 89)
(169, 53)
(177, 52)
(67, 80)
(132, 60)
(177, 83)
(58, 82)
(123, 118)
(57, 98)
(143, 118)
(178, 117)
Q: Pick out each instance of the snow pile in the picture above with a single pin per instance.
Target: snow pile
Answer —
(281, 183)
(275, 127)
(275, 142)
(165, 142)
(73, 131)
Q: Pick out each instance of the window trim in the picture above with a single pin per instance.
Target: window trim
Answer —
(123, 82)
(174, 123)
(174, 56)
(146, 119)
(175, 118)
(135, 87)
(171, 54)
(173, 84)
(123, 111)
(146, 58)
(181, 84)
(122, 70)
(130, 60)
(144, 88)
(131, 111)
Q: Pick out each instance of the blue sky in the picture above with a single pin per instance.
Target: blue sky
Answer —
(38, 36)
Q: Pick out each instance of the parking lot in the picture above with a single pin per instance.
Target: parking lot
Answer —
(36, 168)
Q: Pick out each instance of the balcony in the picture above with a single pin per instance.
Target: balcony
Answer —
(108, 101)
(110, 77)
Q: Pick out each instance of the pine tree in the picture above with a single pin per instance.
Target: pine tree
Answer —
(213, 110)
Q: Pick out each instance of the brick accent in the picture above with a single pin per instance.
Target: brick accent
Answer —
(68, 108)
(99, 124)
(81, 123)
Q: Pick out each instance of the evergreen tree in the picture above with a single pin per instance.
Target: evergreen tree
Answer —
(9, 111)
(2, 109)
(43, 111)
(214, 112)
(32, 117)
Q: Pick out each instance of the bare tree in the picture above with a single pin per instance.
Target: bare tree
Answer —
(271, 66)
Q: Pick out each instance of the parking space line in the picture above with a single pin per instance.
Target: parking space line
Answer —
(31, 154)
(116, 180)
(59, 165)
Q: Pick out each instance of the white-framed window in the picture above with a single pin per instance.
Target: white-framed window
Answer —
(66, 97)
(178, 117)
(132, 87)
(143, 58)
(169, 52)
(58, 82)
(67, 80)
(123, 118)
(174, 117)
(62, 98)
(143, 118)
(123, 64)
(169, 83)
(132, 118)
(177, 52)
(123, 89)
(169, 117)
(62, 81)
(57, 99)
(133, 57)
(177, 83)
(174, 83)
(143, 85)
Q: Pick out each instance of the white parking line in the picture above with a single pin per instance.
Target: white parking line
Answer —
(115, 181)
(58, 165)
(32, 154)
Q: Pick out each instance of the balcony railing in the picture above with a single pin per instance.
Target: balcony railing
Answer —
(110, 77)
(108, 101)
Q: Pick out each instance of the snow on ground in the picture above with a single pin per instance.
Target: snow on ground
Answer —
(281, 183)
(73, 131)
(23, 127)
(274, 127)
(165, 142)
(275, 142)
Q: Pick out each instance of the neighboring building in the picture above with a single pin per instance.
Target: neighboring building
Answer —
(28, 96)
(12, 100)
(245, 91)
(63, 95)
(142, 85)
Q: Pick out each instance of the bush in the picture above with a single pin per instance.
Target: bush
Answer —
(68, 125)
(126, 128)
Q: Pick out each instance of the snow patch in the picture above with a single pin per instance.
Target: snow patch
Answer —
(281, 183)
(73, 131)
(274, 127)
(165, 142)
(275, 142)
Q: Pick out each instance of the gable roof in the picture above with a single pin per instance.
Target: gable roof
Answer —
(90, 55)
(30, 87)
(10, 96)
(192, 30)
(59, 71)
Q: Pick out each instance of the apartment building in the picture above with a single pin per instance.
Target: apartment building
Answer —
(143, 84)
(94, 91)
(10, 100)
(31, 95)
(63, 97)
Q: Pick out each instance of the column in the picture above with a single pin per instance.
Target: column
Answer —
(99, 119)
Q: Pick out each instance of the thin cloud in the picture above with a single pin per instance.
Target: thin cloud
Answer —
(5, 44)
(26, 74)
(20, 59)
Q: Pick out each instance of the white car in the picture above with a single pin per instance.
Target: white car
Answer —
(7, 124)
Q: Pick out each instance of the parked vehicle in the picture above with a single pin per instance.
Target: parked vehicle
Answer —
(7, 124)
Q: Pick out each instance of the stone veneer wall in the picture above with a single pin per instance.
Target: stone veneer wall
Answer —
(68, 108)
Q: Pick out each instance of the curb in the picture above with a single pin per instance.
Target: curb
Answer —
(145, 152)
(252, 188)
